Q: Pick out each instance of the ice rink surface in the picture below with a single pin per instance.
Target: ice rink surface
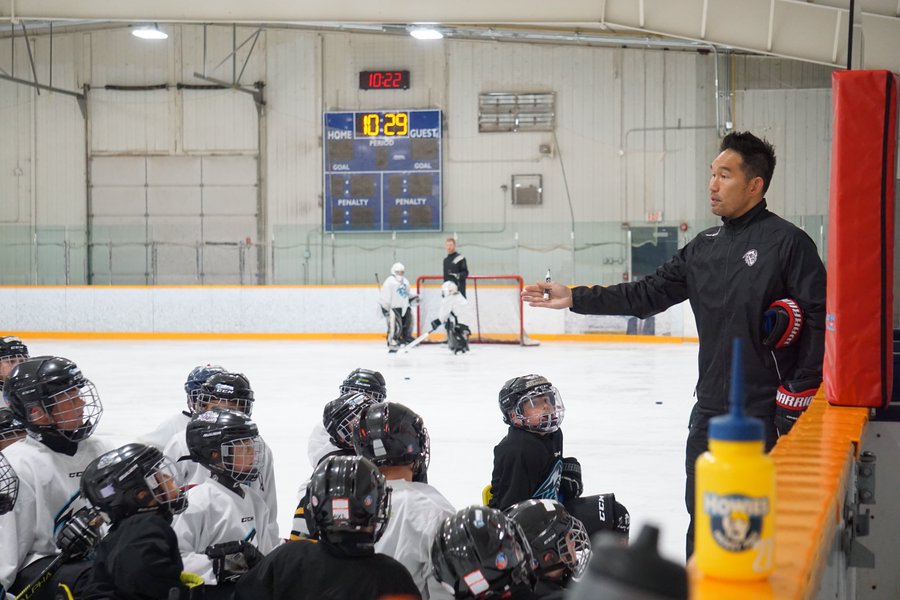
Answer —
(627, 406)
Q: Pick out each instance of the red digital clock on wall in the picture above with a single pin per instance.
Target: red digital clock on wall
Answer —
(384, 80)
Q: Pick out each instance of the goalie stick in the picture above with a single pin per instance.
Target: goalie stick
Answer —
(419, 340)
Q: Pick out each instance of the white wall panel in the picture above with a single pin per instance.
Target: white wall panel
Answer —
(173, 170)
(220, 41)
(118, 170)
(170, 201)
(219, 121)
(138, 122)
(119, 58)
(114, 201)
(229, 170)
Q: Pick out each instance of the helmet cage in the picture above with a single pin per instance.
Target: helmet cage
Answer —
(11, 360)
(373, 395)
(233, 450)
(9, 486)
(11, 429)
(575, 548)
(64, 411)
(206, 401)
(548, 422)
(157, 478)
(340, 424)
(195, 379)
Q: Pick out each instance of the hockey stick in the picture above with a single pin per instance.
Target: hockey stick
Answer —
(46, 575)
(418, 340)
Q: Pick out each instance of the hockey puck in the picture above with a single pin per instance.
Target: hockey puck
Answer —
(406, 378)
(659, 401)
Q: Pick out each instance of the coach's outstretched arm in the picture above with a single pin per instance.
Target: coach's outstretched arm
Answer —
(560, 295)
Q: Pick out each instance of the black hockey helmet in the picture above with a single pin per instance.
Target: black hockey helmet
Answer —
(9, 486)
(481, 553)
(225, 390)
(135, 478)
(69, 404)
(531, 390)
(10, 427)
(559, 541)
(12, 352)
(340, 415)
(195, 379)
(219, 440)
(12, 347)
(349, 502)
(370, 383)
(390, 434)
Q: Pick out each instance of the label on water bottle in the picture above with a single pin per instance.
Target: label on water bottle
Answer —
(736, 520)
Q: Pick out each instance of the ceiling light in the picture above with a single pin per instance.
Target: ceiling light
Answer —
(149, 32)
(426, 33)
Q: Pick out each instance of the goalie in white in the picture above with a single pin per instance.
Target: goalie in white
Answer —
(396, 301)
(457, 333)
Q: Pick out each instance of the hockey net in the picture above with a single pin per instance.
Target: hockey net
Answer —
(493, 310)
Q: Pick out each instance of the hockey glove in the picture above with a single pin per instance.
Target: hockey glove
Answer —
(384, 312)
(231, 560)
(80, 533)
(435, 324)
(414, 300)
(790, 402)
(570, 484)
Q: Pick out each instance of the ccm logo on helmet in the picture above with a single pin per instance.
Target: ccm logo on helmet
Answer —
(76, 474)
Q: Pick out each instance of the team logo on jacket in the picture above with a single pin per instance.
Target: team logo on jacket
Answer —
(735, 520)
(750, 257)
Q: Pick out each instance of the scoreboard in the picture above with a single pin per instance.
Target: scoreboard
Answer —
(382, 170)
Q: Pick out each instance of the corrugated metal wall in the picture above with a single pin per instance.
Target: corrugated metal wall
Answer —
(635, 134)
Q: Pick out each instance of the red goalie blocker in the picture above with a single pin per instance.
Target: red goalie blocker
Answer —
(858, 368)
(493, 308)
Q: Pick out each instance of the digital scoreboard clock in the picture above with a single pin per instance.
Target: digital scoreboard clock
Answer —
(382, 170)
(384, 80)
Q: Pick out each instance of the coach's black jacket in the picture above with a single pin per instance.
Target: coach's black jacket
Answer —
(731, 274)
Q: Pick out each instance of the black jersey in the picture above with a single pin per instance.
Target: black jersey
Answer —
(526, 465)
(309, 570)
(731, 274)
(137, 560)
(456, 270)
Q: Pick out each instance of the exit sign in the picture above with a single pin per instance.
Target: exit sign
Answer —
(654, 216)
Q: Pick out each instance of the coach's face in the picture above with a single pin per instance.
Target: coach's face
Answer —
(731, 193)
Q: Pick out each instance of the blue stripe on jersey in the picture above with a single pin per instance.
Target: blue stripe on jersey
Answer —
(549, 490)
(60, 518)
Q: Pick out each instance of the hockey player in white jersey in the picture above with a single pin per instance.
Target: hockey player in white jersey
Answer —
(394, 438)
(176, 424)
(60, 409)
(396, 301)
(332, 433)
(457, 333)
(230, 391)
(226, 527)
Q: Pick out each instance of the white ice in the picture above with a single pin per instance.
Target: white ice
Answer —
(627, 406)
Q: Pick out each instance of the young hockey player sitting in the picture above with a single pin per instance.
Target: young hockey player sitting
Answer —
(12, 352)
(339, 418)
(135, 488)
(481, 553)
(174, 426)
(529, 462)
(226, 528)
(348, 509)
(229, 391)
(333, 432)
(558, 540)
(394, 438)
(60, 408)
(457, 333)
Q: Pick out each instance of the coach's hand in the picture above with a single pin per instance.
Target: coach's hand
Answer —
(560, 295)
(790, 404)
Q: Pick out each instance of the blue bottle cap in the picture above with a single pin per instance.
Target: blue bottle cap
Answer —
(735, 426)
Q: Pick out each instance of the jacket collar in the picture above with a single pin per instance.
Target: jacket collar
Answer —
(741, 221)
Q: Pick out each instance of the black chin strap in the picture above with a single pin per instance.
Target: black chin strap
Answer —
(51, 438)
(228, 482)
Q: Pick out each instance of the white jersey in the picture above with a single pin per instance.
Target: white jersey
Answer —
(417, 510)
(395, 294)
(48, 489)
(193, 473)
(451, 304)
(215, 515)
(165, 431)
(319, 445)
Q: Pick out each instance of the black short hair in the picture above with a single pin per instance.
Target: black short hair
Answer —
(757, 154)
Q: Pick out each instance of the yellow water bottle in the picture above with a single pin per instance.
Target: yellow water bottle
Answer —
(734, 510)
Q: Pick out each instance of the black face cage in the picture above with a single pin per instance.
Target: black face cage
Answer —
(9, 486)
(205, 402)
(376, 396)
(74, 411)
(230, 451)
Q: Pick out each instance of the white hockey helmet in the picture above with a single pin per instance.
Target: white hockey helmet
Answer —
(448, 289)
(397, 269)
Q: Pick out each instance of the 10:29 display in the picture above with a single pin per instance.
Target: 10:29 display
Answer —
(382, 124)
